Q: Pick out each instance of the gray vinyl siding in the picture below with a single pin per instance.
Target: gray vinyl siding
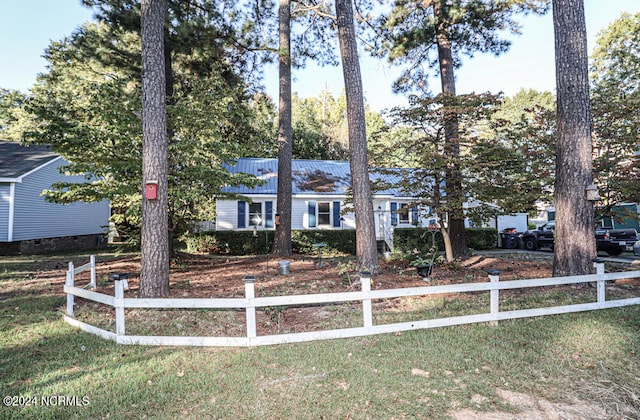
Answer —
(34, 218)
(5, 196)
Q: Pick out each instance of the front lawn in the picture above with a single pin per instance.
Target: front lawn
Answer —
(570, 365)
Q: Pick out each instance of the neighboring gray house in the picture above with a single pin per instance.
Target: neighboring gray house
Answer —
(28, 223)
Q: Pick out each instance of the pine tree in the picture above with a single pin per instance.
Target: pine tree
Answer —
(366, 250)
(412, 31)
(154, 260)
(282, 237)
(575, 244)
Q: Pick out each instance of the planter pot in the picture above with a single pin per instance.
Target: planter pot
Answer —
(283, 267)
(424, 270)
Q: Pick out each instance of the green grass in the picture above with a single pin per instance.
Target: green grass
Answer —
(591, 356)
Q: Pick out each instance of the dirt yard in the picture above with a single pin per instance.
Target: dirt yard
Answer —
(204, 276)
(200, 276)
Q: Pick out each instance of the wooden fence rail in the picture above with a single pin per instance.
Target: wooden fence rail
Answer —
(250, 303)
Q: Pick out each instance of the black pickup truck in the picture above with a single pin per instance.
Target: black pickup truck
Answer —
(611, 241)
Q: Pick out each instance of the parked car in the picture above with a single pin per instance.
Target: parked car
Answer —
(616, 241)
(611, 241)
(540, 238)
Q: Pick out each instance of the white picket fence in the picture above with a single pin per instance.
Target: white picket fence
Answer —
(91, 266)
(249, 303)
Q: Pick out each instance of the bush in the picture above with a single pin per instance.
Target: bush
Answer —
(338, 241)
(230, 242)
(406, 240)
(244, 243)
(482, 238)
(202, 242)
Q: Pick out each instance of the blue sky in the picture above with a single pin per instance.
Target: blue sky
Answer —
(28, 26)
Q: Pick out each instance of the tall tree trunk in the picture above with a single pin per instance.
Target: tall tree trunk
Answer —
(453, 233)
(366, 249)
(575, 238)
(169, 91)
(282, 238)
(154, 268)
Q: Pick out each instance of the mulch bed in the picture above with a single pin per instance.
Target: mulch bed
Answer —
(205, 276)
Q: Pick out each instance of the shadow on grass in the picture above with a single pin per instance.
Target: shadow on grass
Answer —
(22, 308)
(556, 357)
(587, 355)
(53, 359)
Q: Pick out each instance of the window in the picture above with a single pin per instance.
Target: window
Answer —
(403, 213)
(324, 214)
(255, 214)
(605, 222)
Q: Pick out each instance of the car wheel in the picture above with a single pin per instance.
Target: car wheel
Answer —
(614, 251)
(531, 244)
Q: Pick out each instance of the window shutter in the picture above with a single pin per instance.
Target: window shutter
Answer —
(336, 214)
(268, 214)
(414, 215)
(394, 214)
(242, 214)
(312, 214)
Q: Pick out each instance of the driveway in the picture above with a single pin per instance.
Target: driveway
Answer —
(625, 258)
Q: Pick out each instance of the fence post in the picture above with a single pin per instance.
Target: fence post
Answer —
(365, 283)
(598, 263)
(92, 260)
(69, 282)
(250, 294)
(119, 305)
(494, 277)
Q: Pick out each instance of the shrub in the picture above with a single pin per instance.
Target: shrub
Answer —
(338, 241)
(244, 243)
(230, 242)
(407, 239)
(482, 238)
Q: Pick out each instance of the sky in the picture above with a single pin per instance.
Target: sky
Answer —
(28, 26)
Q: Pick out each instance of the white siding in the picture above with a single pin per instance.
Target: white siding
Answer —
(226, 215)
(349, 221)
(299, 214)
(34, 218)
(519, 221)
(227, 212)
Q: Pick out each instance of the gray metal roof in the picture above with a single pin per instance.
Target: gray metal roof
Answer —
(322, 177)
(17, 160)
